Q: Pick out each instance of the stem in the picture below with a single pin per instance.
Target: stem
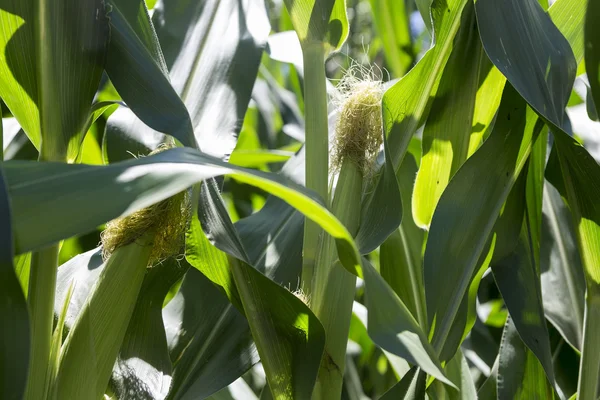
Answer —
(317, 150)
(42, 283)
(334, 287)
(589, 368)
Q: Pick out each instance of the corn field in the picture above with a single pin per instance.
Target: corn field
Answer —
(299, 199)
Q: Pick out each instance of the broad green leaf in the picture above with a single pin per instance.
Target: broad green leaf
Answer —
(410, 387)
(143, 368)
(122, 188)
(381, 207)
(405, 103)
(212, 68)
(520, 374)
(392, 22)
(468, 208)
(458, 370)
(519, 283)
(137, 69)
(317, 21)
(400, 261)
(446, 136)
(14, 333)
(18, 86)
(289, 338)
(393, 328)
(563, 283)
(209, 340)
(37, 81)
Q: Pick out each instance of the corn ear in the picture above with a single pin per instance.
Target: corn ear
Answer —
(93, 344)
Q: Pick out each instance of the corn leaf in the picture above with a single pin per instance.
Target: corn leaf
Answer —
(14, 335)
(391, 20)
(592, 51)
(410, 387)
(212, 69)
(394, 329)
(93, 343)
(400, 261)
(137, 69)
(405, 103)
(37, 80)
(446, 136)
(563, 283)
(122, 188)
(289, 338)
(143, 368)
(520, 374)
(209, 340)
(468, 208)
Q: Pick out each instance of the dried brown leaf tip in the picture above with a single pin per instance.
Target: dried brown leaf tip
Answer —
(166, 222)
(359, 129)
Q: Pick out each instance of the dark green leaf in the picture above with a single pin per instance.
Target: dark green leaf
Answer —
(14, 333)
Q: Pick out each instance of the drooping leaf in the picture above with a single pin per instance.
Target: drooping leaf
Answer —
(124, 187)
(394, 329)
(15, 332)
(289, 338)
(592, 50)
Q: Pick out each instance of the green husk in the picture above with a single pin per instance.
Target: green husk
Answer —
(358, 138)
(167, 221)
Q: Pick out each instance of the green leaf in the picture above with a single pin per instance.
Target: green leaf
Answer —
(391, 20)
(14, 334)
(533, 55)
(317, 21)
(289, 338)
(458, 370)
(520, 374)
(37, 81)
(519, 284)
(400, 256)
(212, 69)
(209, 340)
(592, 50)
(410, 387)
(143, 368)
(121, 188)
(405, 103)
(563, 283)
(138, 71)
(468, 208)
(92, 346)
(446, 136)
(393, 328)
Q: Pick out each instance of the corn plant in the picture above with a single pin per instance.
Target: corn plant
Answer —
(299, 199)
